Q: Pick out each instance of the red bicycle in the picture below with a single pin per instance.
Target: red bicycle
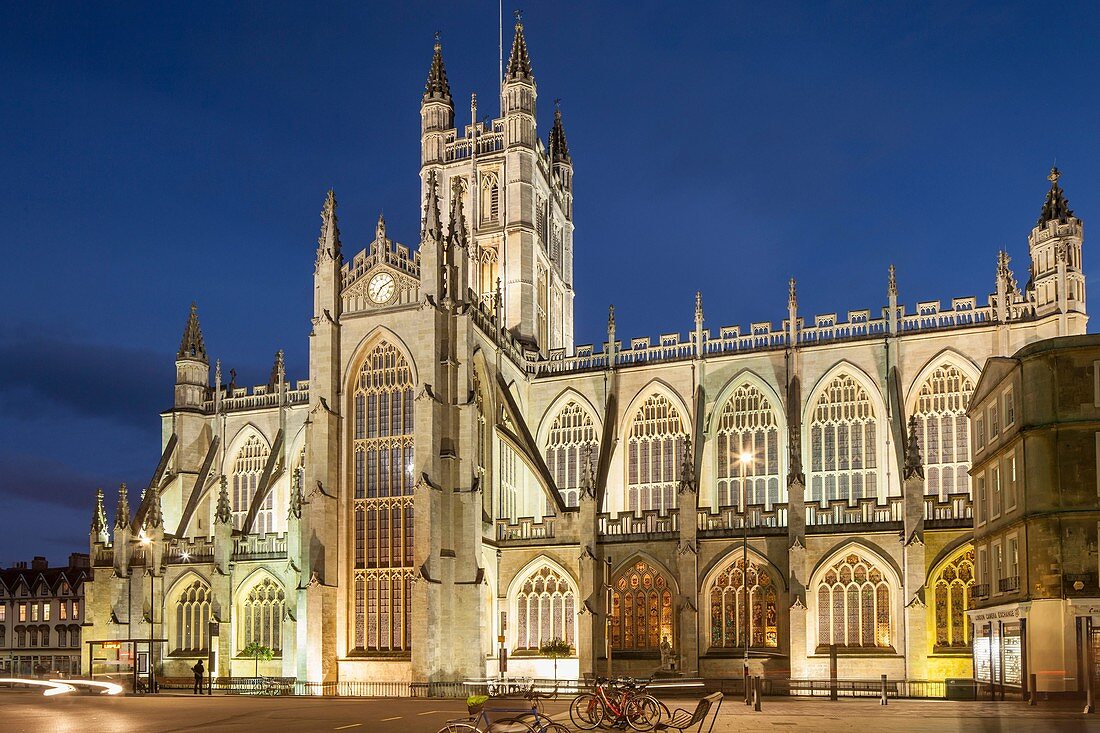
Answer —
(617, 705)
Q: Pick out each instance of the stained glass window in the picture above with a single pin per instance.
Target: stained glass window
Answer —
(943, 432)
(382, 507)
(545, 609)
(952, 598)
(262, 615)
(843, 458)
(641, 608)
(731, 618)
(748, 425)
(654, 452)
(854, 605)
(191, 619)
(570, 445)
(247, 469)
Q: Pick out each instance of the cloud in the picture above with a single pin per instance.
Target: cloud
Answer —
(126, 385)
(47, 481)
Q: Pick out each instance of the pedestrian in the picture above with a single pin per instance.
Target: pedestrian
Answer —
(199, 671)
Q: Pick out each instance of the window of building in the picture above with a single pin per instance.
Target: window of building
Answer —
(543, 308)
(46, 611)
(979, 434)
(853, 604)
(843, 447)
(641, 608)
(996, 497)
(1012, 560)
(545, 610)
(191, 619)
(1009, 407)
(76, 610)
(942, 431)
(34, 612)
(490, 198)
(952, 599)
(63, 610)
(22, 611)
(748, 424)
(383, 504)
(62, 635)
(248, 467)
(261, 615)
(1010, 480)
(980, 498)
(540, 219)
(510, 488)
(994, 424)
(983, 571)
(732, 617)
(3, 612)
(654, 452)
(998, 567)
(571, 448)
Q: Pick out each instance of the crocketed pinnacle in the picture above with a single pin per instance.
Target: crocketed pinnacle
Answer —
(192, 345)
(559, 148)
(433, 223)
(278, 370)
(913, 464)
(295, 508)
(122, 514)
(154, 519)
(99, 516)
(223, 514)
(458, 219)
(1056, 208)
(437, 89)
(519, 63)
(328, 244)
(687, 469)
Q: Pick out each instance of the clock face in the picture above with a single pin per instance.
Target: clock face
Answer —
(381, 287)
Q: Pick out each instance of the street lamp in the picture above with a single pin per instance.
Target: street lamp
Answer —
(147, 542)
(744, 459)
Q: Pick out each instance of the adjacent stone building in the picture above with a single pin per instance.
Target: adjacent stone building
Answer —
(1036, 432)
(455, 469)
(41, 615)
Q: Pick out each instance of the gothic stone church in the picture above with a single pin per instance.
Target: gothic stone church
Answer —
(456, 469)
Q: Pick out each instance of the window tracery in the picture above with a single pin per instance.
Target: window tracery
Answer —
(382, 446)
(262, 615)
(654, 452)
(748, 425)
(843, 447)
(248, 468)
(641, 608)
(545, 610)
(952, 587)
(743, 603)
(191, 620)
(853, 604)
(943, 431)
(490, 198)
(571, 444)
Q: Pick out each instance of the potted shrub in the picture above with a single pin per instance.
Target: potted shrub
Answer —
(474, 703)
(556, 649)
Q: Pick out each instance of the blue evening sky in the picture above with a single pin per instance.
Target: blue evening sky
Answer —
(155, 154)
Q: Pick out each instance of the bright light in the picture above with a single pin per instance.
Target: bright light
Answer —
(185, 555)
(143, 538)
(109, 688)
(52, 687)
(746, 457)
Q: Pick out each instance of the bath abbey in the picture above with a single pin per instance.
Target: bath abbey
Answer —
(456, 482)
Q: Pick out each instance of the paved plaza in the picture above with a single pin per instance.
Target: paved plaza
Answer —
(24, 712)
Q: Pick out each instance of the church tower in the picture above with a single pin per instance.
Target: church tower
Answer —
(517, 197)
(1057, 280)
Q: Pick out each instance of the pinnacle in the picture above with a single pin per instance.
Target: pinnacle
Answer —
(1056, 207)
(437, 89)
(559, 148)
(458, 219)
(519, 63)
(329, 241)
(433, 225)
(192, 345)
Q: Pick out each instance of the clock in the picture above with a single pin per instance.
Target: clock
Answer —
(381, 288)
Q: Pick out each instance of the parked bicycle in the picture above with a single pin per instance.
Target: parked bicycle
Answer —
(618, 704)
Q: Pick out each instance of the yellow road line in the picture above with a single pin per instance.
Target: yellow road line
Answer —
(386, 720)
(350, 725)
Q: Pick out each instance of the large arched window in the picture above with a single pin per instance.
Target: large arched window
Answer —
(843, 447)
(951, 586)
(545, 609)
(654, 452)
(570, 446)
(382, 455)
(247, 470)
(748, 425)
(942, 430)
(853, 604)
(641, 608)
(490, 198)
(732, 618)
(190, 617)
(260, 615)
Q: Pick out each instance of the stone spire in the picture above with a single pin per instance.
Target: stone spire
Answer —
(437, 89)
(559, 148)
(458, 218)
(433, 223)
(519, 63)
(223, 513)
(278, 370)
(99, 516)
(154, 518)
(1056, 208)
(1005, 274)
(380, 228)
(892, 283)
(913, 465)
(192, 345)
(122, 514)
(792, 294)
(328, 244)
(687, 469)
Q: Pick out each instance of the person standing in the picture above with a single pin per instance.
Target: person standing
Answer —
(199, 671)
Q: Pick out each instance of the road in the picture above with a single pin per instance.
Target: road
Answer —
(25, 712)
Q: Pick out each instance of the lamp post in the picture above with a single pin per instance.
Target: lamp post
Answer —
(745, 458)
(147, 542)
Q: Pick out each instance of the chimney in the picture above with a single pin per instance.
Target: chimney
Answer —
(39, 563)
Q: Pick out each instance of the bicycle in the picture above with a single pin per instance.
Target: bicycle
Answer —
(625, 706)
(518, 724)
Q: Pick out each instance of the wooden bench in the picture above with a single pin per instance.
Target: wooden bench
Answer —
(682, 719)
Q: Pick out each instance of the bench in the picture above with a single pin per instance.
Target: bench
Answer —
(682, 719)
